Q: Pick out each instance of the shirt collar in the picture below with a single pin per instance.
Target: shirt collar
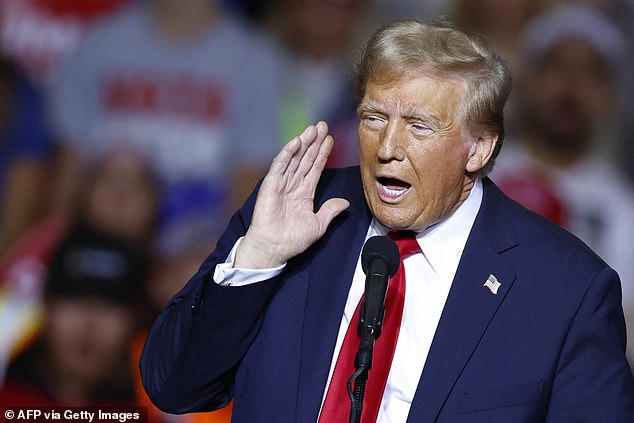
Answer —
(442, 244)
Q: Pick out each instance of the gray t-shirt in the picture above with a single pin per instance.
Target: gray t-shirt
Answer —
(199, 110)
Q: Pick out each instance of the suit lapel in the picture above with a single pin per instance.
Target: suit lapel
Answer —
(331, 271)
(470, 306)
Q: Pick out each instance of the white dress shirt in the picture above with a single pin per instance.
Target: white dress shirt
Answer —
(429, 277)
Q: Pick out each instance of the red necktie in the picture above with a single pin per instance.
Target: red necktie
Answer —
(336, 408)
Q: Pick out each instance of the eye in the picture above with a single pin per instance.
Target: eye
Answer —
(419, 128)
(373, 121)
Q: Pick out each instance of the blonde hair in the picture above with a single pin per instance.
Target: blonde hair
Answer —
(404, 48)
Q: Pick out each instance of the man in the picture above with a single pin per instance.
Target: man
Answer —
(506, 318)
(94, 289)
(577, 55)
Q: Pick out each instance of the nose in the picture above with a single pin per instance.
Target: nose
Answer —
(390, 143)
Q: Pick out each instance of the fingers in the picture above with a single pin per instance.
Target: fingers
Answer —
(319, 163)
(314, 150)
(299, 156)
(306, 138)
(287, 158)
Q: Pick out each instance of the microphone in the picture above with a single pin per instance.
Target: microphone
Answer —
(380, 259)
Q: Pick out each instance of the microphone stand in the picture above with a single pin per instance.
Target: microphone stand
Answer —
(369, 330)
(362, 364)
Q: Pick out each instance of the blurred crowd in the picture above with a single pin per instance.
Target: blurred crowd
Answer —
(131, 129)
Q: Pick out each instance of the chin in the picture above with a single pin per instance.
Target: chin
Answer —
(392, 219)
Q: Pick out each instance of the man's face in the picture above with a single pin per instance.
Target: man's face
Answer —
(567, 94)
(414, 150)
(87, 337)
(122, 198)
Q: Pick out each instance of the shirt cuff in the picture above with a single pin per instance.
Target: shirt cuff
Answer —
(227, 275)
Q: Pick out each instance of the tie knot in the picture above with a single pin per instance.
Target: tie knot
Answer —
(406, 242)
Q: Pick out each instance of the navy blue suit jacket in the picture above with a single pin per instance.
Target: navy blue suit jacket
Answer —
(549, 346)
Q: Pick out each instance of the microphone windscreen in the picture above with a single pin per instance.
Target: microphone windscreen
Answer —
(383, 248)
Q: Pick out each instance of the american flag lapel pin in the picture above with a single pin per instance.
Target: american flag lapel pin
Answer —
(492, 284)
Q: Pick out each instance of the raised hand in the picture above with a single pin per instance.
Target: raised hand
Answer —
(284, 223)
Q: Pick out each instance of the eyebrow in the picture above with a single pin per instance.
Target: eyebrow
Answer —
(367, 107)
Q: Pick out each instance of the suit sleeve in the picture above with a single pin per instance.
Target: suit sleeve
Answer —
(593, 381)
(196, 344)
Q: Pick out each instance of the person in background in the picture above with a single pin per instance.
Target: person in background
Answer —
(118, 195)
(502, 22)
(94, 287)
(568, 93)
(192, 89)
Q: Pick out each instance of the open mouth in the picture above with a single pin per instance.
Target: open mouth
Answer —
(390, 189)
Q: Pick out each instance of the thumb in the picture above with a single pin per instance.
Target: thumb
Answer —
(329, 210)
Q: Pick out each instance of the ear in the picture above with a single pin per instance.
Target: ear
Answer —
(480, 151)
